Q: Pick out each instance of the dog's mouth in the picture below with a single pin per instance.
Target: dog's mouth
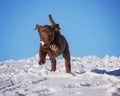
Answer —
(45, 42)
(48, 41)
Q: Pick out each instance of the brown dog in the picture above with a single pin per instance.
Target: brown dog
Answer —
(53, 44)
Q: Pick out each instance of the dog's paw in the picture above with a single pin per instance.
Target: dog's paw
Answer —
(41, 62)
(53, 70)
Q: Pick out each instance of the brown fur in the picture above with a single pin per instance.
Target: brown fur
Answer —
(54, 45)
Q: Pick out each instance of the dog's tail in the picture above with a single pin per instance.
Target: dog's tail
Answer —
(54, 25)
(51, 20)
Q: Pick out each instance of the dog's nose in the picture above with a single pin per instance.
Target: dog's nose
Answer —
(46, 41)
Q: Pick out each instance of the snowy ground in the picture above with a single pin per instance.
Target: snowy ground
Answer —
(91, 76)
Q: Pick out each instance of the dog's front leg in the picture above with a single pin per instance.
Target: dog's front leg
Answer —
(42, 56)
(53, 64)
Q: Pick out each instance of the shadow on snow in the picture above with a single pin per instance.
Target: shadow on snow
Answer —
(114, 72)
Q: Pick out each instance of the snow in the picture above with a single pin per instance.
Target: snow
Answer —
(91, 76)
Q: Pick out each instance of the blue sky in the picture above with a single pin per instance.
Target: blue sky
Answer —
(92, 27)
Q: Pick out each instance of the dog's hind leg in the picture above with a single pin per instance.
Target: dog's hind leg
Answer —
(66, 55)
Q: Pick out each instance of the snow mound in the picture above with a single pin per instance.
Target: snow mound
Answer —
(91, 76)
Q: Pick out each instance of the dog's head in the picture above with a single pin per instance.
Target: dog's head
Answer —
(46, 33)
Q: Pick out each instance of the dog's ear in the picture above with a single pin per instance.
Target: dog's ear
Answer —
(56, 27)
(37, 26)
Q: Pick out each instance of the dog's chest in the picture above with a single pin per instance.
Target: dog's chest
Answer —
(50, 48)
(53, 47)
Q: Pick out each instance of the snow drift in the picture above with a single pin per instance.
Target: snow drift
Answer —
(91, 76)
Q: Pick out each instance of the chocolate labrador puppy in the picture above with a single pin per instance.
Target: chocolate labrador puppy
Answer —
(53, 44)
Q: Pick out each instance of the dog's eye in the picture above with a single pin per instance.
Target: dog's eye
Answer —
(43, 30)
(47, 30)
